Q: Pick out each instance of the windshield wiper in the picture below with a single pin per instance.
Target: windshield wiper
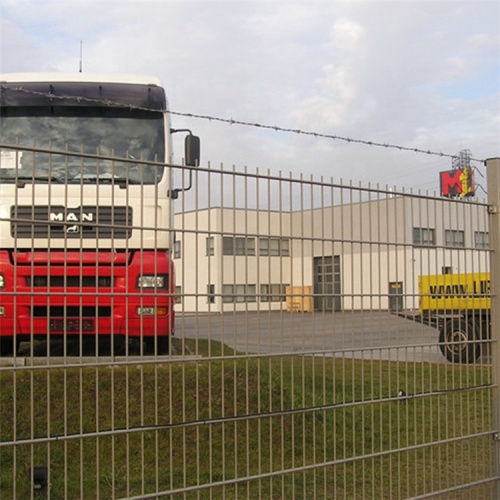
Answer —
(100, 179)
(22, 180)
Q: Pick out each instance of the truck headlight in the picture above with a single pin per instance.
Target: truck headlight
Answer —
(2, 281)
(152, 281)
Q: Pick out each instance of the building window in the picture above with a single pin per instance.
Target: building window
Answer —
(482, 240)
(177, 249)
(446, 270)
(454, 238)
(211, 294)
(210, 246)
(424, 236)
(238, 293)
(273, 293)
(178, 295)
(274, 247)
(238, 246)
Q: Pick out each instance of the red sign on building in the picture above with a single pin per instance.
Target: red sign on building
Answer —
(457, 183)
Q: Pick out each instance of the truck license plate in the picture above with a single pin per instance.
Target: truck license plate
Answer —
(71, 325)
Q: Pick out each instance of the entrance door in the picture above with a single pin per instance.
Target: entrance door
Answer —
(327, 287)
(396, 296)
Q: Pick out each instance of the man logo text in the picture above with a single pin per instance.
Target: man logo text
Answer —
(71, 217)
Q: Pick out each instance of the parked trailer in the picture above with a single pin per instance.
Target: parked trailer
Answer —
(458, 305)
(86, 210)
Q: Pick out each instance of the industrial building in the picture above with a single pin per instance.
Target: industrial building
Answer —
(365, 255)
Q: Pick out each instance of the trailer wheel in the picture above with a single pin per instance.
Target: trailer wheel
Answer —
(456, 341)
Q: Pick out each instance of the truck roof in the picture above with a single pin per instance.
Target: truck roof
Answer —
(79, 77)
(42, 89)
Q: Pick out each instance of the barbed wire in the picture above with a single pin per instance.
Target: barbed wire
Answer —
(276, 128)
(231, 121)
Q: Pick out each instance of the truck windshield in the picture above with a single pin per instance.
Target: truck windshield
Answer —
(120, 138)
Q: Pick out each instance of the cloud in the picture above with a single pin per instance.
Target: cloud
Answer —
(421, 74)
(346, 34)
(14, 40)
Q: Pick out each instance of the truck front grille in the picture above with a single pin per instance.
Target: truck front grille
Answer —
(71, 311)
(59, 222)
(70, 281)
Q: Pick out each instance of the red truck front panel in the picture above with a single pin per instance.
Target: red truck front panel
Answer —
(89, 293)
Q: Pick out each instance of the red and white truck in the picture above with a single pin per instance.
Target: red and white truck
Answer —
(86, 210)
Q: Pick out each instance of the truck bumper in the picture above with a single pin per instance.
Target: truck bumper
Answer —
(105, 302)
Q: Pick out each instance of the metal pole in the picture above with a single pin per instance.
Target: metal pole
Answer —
(493, 176)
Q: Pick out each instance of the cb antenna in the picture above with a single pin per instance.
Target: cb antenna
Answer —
(81, 50)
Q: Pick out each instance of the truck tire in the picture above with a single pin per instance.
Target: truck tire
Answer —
(457, 341)
(157, 345)
(6, 346)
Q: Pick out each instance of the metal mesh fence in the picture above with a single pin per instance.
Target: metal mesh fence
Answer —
(329, 339)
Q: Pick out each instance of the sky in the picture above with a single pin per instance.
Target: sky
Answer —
(419, 74)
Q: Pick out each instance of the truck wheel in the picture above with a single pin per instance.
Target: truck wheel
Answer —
(456, 341)
(162, 345)
(118, 345)
(6, 346)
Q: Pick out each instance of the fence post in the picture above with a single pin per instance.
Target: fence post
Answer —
(493, 179)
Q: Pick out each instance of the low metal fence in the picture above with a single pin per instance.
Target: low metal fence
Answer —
(329, 339)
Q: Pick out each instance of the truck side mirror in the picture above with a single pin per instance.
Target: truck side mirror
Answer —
(192, 150)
